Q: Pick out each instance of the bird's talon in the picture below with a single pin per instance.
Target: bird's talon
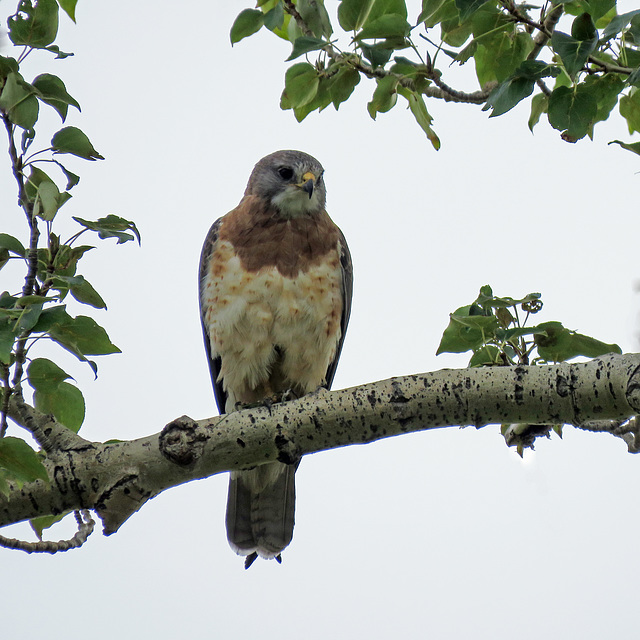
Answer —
(288, 395)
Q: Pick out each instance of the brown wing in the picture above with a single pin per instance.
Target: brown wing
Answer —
(347, 292)
(214, 362)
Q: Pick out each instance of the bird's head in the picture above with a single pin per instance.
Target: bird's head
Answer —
(290, 181)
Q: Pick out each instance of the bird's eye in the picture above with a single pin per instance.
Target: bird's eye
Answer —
(286, 173)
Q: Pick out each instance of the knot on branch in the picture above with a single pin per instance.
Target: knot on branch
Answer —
(633, 390)
(181, 442)
(288, 452)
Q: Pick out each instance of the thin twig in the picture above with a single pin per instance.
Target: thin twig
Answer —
(542, 37)
(86, 525)
(290, 8)
(441, 91)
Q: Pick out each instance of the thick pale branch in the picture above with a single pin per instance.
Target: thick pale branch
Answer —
(117, 479)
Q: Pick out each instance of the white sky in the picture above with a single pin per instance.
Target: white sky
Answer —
(444, 534)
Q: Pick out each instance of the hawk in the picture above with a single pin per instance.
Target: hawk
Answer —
(275, 297)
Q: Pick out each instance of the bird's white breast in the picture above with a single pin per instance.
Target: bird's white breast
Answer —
(248, 314)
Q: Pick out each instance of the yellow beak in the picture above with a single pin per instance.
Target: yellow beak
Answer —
(308, 183)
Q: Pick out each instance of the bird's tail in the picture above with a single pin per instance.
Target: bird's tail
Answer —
(260, 510)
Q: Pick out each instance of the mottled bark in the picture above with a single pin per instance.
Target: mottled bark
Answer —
(116, 479)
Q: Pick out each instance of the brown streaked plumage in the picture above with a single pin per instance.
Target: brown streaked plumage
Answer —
(275, 298)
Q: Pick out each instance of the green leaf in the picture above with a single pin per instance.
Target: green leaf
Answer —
(22, 462)
(583, 28)
(51, 316)
(520, 85)
(468, 7)
(487, 301)
(44, 522)
(72, 178)
(630, 110)
(66, 404)
(605, 90)
(436, 11)
(384, 97)
(377, 54)
(72, 140)
(342, 84)
(558, 344)
(420, 113)
(499, 57)
(634, 77)
(315, 16)
(304, 44)
(599, 9)
(572, 111)
(573, 52)
(454, 32)
(300, 84)
(539, 105)
(54, 93)
(387, 26)
(7, 66)
(508, 94)
(321, 100)
(274, 19)
(485, 356)
(352, 14)
(85, 293)
(35, 24)
(45, 376)
(44, 194)
(387, 7)
(29, 316)
(56, 49)
(246, 24)
(66, 259)
(466, 332)
(12, 245)
(634, 147)
(46, 205)
(69, 7)
(112, 227)
(19, 102)
(82, 335)
(7, 340)
(618, 24)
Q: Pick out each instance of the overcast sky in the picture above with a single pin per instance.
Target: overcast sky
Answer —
(445, 534)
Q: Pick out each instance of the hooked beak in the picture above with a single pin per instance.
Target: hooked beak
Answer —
(308, 183)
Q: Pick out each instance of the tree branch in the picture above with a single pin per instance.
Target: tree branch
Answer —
(86, 525)
(116, 479)
(441, 91)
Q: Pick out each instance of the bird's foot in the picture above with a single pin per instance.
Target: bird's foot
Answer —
(288, 395)
(282, 396)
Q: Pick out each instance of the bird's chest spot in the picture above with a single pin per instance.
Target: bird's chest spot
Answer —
(290, 245)
(268, 307)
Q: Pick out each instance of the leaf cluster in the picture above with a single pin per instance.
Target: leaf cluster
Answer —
(39, 310)
(575, 74)
(497, 332)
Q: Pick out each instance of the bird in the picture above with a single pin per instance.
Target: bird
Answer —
(275, 289)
